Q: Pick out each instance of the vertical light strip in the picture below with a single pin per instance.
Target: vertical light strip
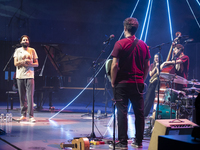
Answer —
(198, 2)
(129, 109)
(131, 127)
(170, 24)
(145, 20)
(110, 122)
(193, 13)
(149, 16)
(123, 30)
(134, 8)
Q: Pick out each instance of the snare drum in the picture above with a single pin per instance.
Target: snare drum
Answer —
(173, 95)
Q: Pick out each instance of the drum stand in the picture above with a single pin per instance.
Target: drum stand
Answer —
(170, 99)
(176, 105)
(193, 109)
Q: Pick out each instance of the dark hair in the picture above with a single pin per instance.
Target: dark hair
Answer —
(180, 47)
(161, 59)
(23, 37)
(131, 25)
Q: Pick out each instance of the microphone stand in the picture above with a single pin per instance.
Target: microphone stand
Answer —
(159, 52)
(14, 46)
(94, 65)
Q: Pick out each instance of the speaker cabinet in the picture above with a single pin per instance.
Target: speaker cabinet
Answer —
(170, 127)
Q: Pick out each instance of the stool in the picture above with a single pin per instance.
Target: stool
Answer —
(9, 93)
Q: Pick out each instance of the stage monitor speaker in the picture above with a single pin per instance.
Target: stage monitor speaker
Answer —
(169, 127)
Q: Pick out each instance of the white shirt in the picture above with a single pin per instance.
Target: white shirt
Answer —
(21, 54)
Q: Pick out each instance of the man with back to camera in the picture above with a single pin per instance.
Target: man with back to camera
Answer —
(25, 59)
(129, 70)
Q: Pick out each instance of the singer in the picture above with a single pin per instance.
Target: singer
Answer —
(181, 62)
(25, 59)
(129, 70)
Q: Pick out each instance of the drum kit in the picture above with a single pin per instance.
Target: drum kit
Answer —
(179, 103)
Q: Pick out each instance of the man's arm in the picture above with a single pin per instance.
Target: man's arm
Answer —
(32, 64)
(114, 70)
(18, 63)
(171, 62)
(146, 68)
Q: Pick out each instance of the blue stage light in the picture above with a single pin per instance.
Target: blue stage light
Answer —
(72, 100)
(198, 2)
(145, 20)
(193, 12)
(170, 23)
(149, 16)
(129, 108)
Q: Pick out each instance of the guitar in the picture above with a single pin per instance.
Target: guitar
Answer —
(78, 144)
(108, 68)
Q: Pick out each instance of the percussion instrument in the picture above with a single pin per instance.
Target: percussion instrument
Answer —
(194, 82)
(164, 112)
(172, 95)
(174, 78)
(191, 89)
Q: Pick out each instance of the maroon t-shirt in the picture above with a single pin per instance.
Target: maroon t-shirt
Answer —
(184, 67)
(131, 68)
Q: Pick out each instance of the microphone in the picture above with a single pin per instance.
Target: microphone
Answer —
(108, 40)
(188, 40)
(16, 45)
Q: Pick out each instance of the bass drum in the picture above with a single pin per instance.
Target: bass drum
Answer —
(164, 112)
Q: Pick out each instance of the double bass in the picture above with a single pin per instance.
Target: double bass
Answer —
(164, 84)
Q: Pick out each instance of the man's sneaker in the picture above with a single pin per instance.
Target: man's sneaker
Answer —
(118, 146)
(32, 119)
(22, 118)
(135, 144)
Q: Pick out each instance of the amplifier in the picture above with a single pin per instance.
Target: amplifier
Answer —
(170, 127)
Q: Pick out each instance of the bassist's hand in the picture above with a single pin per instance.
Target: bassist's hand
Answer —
(162, 65)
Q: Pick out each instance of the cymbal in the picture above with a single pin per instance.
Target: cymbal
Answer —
(194, 82)
(174, 78)
(192, 88)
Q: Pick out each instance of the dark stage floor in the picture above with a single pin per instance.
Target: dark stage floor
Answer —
(47, 134)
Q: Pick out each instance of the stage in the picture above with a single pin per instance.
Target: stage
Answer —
(47, 134)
